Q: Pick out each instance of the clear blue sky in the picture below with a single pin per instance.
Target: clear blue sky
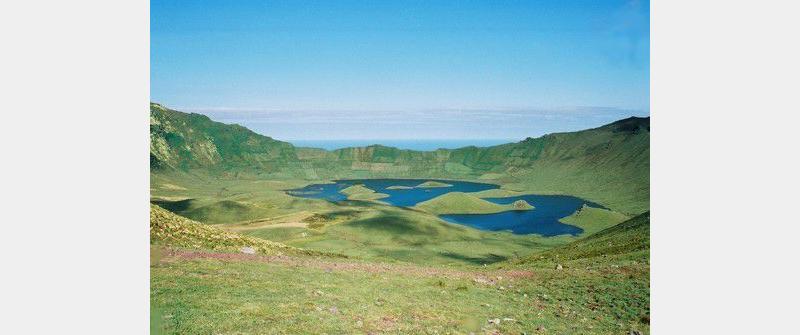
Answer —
(403, 69)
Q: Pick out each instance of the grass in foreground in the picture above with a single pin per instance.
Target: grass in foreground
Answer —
(625, 243)
(172, 230)
(600, 290)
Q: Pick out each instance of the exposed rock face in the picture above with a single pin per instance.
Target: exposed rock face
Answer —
(188, 141)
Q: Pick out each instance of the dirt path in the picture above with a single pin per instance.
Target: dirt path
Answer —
(489, 277)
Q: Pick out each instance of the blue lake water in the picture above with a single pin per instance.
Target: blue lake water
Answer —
(400, 198)
(543, 220)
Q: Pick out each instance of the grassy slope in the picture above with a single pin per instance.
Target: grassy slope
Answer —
(220, 200)
(171, 230)
(213, 297)
(624, 243)
(461, 203)
(602, 289)
(192, 141)
(593, 219)
(610, 164)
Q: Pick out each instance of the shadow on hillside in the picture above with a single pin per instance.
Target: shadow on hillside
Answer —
(174, 206)
(391, 223)
(345, 213)
(487, 259)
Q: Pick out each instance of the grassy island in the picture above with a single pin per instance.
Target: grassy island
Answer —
(361, 192)
(463, 203)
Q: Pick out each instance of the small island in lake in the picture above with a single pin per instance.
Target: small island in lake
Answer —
(361, 192)
(463, 203)
(521, 205)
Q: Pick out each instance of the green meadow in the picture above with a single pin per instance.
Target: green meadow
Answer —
(601, 287)
(233, 253)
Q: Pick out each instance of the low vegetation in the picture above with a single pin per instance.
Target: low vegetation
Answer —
(627, 243)
(171, 230)
(598, 285)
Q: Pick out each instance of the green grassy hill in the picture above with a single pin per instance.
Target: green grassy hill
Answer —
(463, 203)
(608, 165)
(185, 142)
(593, 219)
(170, 230)
(361, 192)
(626, 242)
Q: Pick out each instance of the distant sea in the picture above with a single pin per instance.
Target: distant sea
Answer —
(422, 145)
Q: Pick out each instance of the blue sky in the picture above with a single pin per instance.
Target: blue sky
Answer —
(402, 69)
